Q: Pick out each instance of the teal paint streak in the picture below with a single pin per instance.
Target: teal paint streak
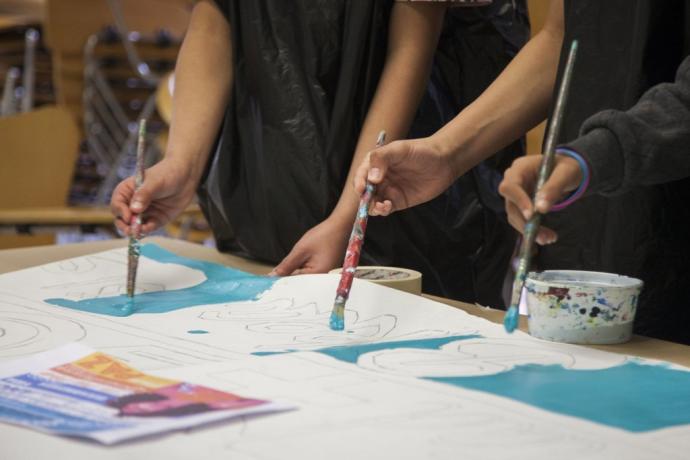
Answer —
(633, 396)
(197, 331)
(351, 353)
(222, 285)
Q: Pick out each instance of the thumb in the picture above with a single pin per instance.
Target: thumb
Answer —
(565, 178)
(293, 261)
(142, 198)
(378, 163)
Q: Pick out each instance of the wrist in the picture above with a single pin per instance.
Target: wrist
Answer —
(581, 176)
(453, 150)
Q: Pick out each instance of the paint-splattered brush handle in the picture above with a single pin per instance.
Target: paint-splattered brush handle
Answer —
(510, 321)
(134, 249)
(353, 252)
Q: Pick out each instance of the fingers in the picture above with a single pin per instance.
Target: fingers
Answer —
(150, 224)
(518, 183)
(373, 168)
(142, 197)
(545, 235)
(565, 177)
(291, 263)
(381, 208)
(119, 202)
(379, 160)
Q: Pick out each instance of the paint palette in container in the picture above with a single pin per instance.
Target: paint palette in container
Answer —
(581, 307)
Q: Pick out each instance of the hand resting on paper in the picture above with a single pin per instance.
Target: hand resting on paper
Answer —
(167, 190)
(319, 250)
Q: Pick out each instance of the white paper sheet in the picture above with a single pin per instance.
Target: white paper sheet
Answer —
(382, 405)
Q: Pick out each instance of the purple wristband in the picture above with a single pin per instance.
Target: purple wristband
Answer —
(583, 184)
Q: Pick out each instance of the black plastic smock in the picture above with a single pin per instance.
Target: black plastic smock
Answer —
(626, 47)
(304, 75)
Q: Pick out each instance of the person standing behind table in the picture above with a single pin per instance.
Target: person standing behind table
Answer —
(626, 47)
(616, 152)
(461, 241)
(282, 156)
(269, 97)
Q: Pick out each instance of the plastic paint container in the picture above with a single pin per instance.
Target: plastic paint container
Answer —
(581, 307)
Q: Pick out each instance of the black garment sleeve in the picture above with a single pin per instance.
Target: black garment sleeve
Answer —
(645, 145)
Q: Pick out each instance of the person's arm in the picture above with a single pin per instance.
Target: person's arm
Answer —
(203, 79)
(413, 37)
(645, 145)
(412, 172)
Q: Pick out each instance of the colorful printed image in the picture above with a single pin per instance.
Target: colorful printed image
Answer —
(179, 400)
(95, 396)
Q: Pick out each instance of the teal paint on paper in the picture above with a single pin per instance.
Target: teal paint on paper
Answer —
(351, 353)
(222, 285)
(634, 396)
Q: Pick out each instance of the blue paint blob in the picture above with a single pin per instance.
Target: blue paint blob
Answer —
(222, 285)
(197, 331)
(633, 396)
(510, 321)
(337, 322)
(351, 353)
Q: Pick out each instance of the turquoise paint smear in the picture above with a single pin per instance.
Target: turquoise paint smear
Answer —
(351, 353)
(633, 396)
(222, 285)
(197, 331)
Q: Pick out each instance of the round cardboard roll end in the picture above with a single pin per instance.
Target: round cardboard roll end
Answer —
(402, 279)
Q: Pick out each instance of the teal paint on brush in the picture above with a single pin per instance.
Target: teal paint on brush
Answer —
(351, 353)
(510, 320)
(634, 396)
(336, 321)
(222, 285)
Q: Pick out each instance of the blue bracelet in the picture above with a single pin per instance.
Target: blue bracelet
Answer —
(583, 184)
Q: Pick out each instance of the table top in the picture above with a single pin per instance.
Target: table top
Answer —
(17, 259)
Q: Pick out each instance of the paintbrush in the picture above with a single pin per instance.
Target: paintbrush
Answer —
(134, 249)
(510, 321)
(354, 249)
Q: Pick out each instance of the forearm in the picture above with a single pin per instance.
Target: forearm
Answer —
(413, 37)
(203, 79)
(514, 103)
(645, 145)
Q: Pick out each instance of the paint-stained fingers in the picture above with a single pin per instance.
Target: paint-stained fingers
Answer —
(566, 177)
